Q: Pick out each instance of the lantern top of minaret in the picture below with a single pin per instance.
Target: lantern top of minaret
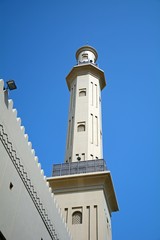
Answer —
(86, 54)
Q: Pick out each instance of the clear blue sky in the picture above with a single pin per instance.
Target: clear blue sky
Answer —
(38, 42)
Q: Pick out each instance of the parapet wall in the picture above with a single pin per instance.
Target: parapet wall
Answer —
(28, 209)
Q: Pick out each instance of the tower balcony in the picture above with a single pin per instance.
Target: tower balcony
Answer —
(98, 165)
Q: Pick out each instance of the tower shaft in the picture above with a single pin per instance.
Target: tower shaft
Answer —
(85, 82)
(82, 185)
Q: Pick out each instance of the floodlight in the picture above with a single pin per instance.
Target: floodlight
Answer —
(11, 85)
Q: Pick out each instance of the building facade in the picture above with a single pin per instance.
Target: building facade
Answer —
(78, 200)
(28, 208)
(82, 184)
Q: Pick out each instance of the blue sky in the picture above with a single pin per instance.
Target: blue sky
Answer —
(38, 42)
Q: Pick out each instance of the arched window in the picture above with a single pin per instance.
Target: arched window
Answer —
(81, 128)
(84, 57)
(82, 92)
(77, 217)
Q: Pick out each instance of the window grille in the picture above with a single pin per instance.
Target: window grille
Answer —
(77, 218)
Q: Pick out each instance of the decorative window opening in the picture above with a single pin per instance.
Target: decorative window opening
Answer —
(82, 92)
(84, 57)
(77, 218)
(81, 127)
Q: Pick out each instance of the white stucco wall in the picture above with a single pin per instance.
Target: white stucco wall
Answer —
(85, 110)
(96, 222)
(28, 209)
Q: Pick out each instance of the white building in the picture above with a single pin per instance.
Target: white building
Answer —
(82, 185)
(81, 198)
(28, 209)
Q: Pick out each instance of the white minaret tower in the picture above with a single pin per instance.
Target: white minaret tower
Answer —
(85, 82)
(82, 185)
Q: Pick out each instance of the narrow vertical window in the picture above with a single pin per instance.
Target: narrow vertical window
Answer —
(72, 128)
(66, 214)
(92, 130)
(88, 208)
(69, 133)
(96, 218)
(83, 156)
(92, 93)
(71, 101)
(96, 95)
(74, 95)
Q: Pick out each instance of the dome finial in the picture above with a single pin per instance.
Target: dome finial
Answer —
(86, 54)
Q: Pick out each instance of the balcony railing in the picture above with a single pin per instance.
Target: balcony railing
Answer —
(89, 166)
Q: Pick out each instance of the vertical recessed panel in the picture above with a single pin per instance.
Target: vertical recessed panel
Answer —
(88, 221)
(96, 130)
(69, 133)
(92, 130)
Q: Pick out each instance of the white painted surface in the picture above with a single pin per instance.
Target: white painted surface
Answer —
(28, 210)
(84, 109)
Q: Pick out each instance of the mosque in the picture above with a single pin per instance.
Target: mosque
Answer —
(77, 201)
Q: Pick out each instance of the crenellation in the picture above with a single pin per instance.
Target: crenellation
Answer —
(14, 112)
(30, 145)
(39, 166)
(26, 137)
(42, 172)
(21, 156)
(36, 159)
(33, 152)
(10, 105)
(22, 129)
(1, 84)
(19, 121)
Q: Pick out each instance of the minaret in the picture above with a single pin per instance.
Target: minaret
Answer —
(82, 184)
(85, 82)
